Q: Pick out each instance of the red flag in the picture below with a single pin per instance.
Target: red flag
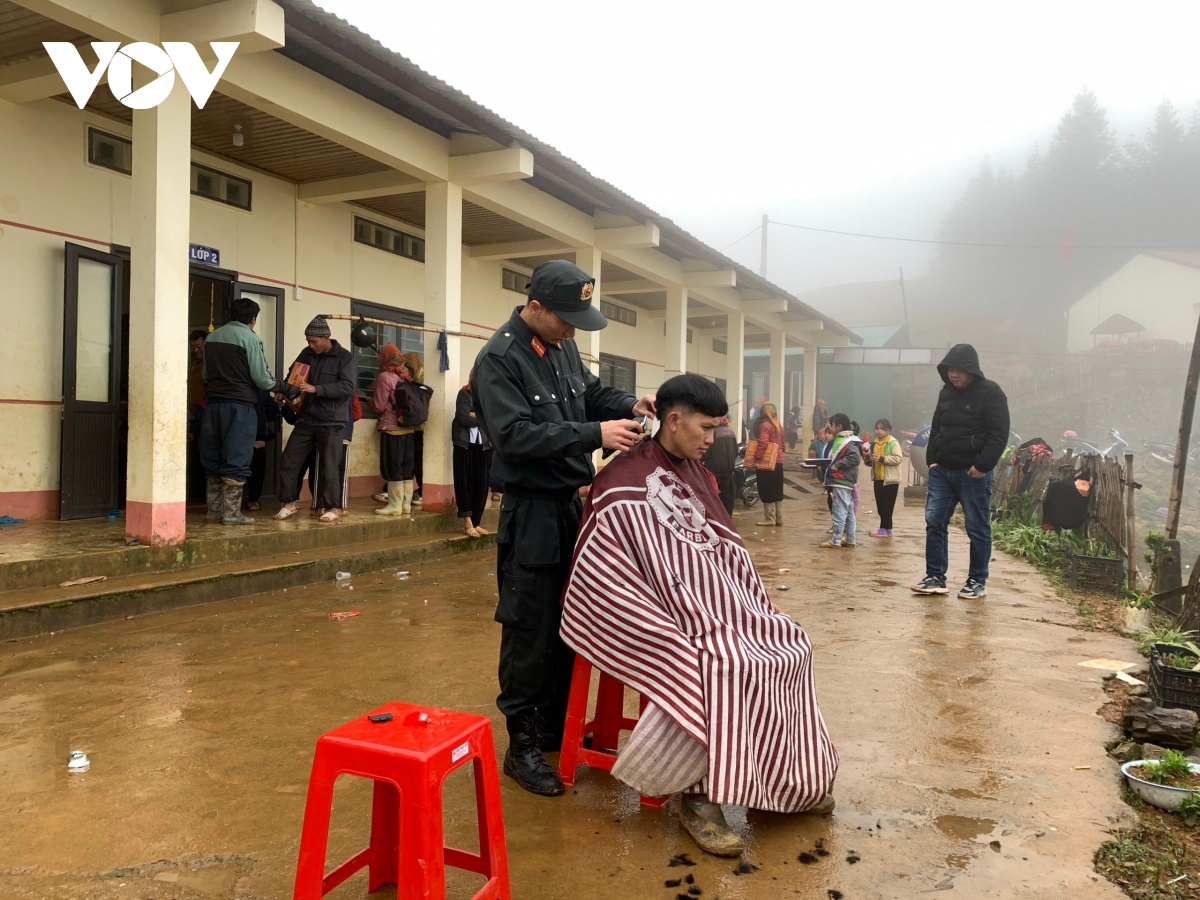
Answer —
(1066, 247)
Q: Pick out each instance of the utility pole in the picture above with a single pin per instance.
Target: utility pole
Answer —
(904, 300)
(1185, 434)
(762, 263)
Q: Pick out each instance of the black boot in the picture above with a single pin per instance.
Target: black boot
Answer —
(549, 737)
(524, 762)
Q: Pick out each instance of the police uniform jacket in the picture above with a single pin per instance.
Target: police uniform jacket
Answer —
(541, 409)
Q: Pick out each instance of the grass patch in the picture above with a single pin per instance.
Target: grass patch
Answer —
(1141, 860)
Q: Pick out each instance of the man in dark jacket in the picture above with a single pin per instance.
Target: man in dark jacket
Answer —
(235, 369)
(328, 391)
(545, 413)
(721, 460)
(966, 441)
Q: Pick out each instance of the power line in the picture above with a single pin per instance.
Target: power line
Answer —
(746, 235)
(908, 240)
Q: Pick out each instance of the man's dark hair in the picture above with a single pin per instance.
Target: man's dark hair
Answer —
(887, 426)
(690, 393)
(198, 334)
(243, 310)
(840, 421)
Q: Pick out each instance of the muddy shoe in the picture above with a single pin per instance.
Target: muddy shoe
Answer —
(524, 762)
(705, 822)
(930, 584)
(231, 493)
(824, 808)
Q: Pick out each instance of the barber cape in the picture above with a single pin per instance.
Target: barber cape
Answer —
(663, 596)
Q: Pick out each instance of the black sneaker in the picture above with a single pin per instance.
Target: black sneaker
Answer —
(973, 590)
(930, 585)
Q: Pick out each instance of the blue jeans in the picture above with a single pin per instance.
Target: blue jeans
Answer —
(844, 521)
(227, 440)
(947, 488)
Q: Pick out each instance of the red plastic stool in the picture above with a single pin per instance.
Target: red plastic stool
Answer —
(408, 760)
(605, 728)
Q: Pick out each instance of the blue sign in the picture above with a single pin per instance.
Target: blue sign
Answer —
(207, 256)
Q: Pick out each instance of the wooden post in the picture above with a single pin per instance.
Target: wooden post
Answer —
(1131, 530)
(1185, 434)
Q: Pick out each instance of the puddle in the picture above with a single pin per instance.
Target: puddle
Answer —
(963, 827)
(961, 794)
(958, 860)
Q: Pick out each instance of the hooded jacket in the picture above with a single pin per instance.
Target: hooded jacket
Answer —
(970, 424)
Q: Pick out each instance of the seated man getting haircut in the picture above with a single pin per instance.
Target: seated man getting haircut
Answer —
(663, 596)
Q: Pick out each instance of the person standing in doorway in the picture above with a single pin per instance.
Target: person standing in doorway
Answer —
(332, 371)
(768, 431)
(416, 370)
(886, 460)
(545, 413)
(397, 445)
(470, 462)
(819, 416)
(235, 370)
(967, 438)
(721, 459)
(267, 411)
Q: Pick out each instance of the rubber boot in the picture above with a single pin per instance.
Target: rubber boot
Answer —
(705, 822)
(524, 762)
(231, 492)
(212, 494)
(768, 516)
(395, 494)
(406, 492)
(779, 515)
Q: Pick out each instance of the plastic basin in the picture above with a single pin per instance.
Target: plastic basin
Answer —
(1159, 795)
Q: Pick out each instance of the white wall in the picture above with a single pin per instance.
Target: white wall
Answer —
(1162, 295)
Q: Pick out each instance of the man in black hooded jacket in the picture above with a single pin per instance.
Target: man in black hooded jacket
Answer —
(966, 441)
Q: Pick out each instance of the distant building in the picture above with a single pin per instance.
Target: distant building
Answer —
(1154, 299)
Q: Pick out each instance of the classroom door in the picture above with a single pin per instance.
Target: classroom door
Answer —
(269, 328)
(89, 464)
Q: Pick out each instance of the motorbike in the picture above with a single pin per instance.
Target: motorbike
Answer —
(1159, 458)
(745, 481)
(1116, 450)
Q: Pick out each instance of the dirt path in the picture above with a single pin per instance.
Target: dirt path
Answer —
(960, 727)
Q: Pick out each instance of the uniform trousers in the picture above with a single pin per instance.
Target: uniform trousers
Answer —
(534, 543)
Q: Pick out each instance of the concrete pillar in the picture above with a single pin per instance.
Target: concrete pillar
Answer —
(588, 342)
(776, 385)
(735, 365)
(677, 305)
(808, 391)
(443, 309)
(156, 486)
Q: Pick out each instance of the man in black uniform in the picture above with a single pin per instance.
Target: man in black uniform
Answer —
(544, 412)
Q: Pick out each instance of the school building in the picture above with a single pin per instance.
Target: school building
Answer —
(324, 174)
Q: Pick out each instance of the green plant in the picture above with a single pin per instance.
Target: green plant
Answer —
(1162, 634)
(1173, 766)
(1139, 600)
(1189, 809)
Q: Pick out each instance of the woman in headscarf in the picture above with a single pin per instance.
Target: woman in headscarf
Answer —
(768, 430)
(416, 370)
(470, 462)
(396, 442)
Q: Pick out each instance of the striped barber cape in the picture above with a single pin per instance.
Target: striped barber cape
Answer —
(663, 596)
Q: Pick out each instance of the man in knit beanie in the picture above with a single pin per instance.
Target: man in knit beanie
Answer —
(326, 395)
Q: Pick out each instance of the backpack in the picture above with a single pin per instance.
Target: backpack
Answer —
(411, 402)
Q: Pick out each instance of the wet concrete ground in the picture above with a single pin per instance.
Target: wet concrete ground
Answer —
(960, 726)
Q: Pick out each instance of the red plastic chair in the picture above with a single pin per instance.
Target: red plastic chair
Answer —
(605, 729)
(408, 759)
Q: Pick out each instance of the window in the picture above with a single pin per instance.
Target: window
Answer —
(110, 151)
(617, 372)
(368, 359)
(720, 346)
(616, 313)
(388, 239)
(513, 281)
(218, 186)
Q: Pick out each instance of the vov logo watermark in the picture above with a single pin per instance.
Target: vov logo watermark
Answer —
(165, 61)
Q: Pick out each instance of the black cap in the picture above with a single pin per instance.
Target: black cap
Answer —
(566, 289)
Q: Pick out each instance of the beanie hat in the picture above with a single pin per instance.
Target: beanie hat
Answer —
(318, 327)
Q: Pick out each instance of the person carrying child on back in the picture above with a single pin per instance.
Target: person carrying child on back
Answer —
(885, 461)
(845, 456)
